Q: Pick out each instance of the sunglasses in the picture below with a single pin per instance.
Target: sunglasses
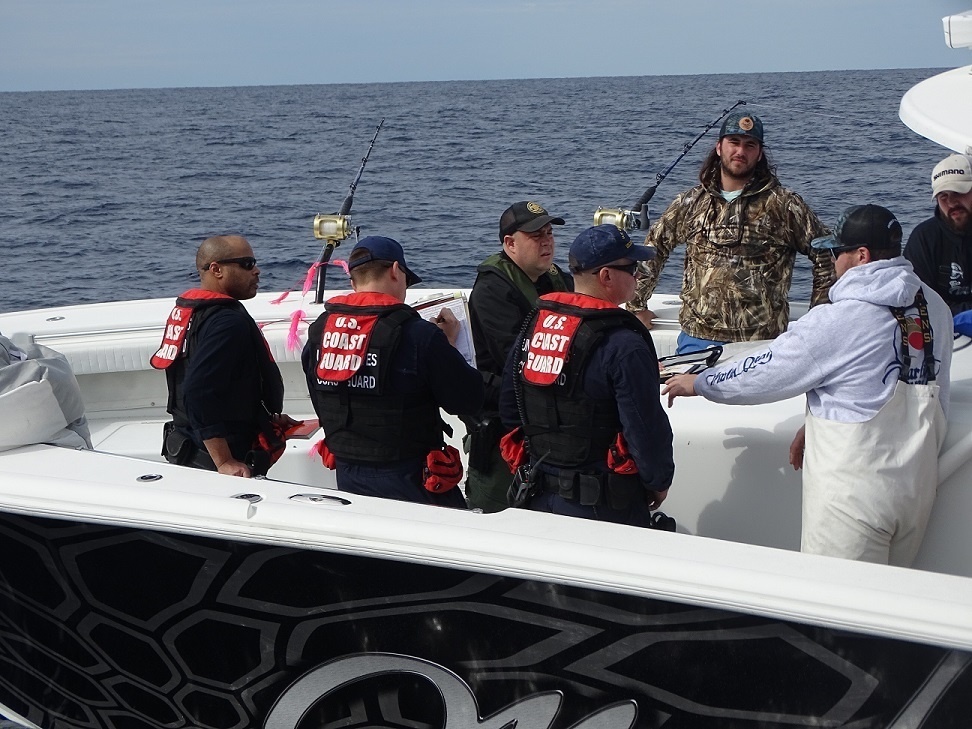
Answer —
(629, 268)
(835, 252)
(247, 263)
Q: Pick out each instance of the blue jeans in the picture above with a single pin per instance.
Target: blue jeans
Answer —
(687, 343)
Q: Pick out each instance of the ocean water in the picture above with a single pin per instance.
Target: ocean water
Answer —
(105, 195)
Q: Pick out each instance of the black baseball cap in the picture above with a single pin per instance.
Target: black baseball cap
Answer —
(527, 216)
(863, 226)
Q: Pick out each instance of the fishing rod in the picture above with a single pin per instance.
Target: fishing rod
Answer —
(336, 227)
(637, 217)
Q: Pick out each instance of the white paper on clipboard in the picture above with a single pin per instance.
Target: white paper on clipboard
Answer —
(455, 302)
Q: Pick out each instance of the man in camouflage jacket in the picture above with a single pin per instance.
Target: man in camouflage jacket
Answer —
(742, 230)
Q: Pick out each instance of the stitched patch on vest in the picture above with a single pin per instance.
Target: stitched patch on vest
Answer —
(344, 343)
(547, 348)
(175, 334)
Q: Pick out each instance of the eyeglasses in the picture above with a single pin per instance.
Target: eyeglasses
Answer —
(629, 268)
(247, 263)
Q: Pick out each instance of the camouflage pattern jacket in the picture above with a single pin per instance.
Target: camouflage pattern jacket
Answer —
(739, 258)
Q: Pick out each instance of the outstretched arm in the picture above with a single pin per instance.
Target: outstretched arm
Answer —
(679, 386)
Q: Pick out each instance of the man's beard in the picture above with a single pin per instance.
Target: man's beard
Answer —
(964, 222)
(742, 174)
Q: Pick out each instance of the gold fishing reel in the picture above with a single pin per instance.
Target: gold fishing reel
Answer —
(335, 227)
(618, 217)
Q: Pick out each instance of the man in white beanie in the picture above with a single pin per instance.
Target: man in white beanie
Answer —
(940, 248)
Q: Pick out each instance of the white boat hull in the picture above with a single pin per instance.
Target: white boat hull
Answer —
(734, 559)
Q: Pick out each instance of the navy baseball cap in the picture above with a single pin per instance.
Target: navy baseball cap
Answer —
(744, 124)
(863, 226)
(380, 248)
(602, 244)
(527, 216)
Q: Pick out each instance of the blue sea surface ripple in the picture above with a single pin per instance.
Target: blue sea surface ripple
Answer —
(107, 194)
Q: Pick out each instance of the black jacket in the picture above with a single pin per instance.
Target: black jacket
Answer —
(942, 258)
(497, 309)
(231, 384)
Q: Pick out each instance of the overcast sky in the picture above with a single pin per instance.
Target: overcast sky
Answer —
(102, 44)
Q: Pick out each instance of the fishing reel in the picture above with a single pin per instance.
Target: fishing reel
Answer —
(634, 219)
(637, 217)
(334, 228)
(622, 218)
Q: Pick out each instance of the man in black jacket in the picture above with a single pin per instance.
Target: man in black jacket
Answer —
(507, 287)
(225, 390)
(940, 248)
(377, 374)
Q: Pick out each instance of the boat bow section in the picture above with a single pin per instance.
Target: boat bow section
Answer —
(940, 108)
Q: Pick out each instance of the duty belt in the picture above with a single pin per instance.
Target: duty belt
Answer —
(584, 488)
(593, 489)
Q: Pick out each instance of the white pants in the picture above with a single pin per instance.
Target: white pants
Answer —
(868, 488)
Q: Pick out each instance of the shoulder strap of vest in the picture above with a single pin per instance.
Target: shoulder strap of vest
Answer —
(518, 358)
(928, 345)
(596, 313)
(382, 310)
(557, 279)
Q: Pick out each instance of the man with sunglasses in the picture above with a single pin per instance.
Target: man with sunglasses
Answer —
(508, 284)
(742, 231)
(581, 382)
(225, 390)
(875, 368)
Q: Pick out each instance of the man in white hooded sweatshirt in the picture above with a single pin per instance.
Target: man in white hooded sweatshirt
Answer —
(875, 368)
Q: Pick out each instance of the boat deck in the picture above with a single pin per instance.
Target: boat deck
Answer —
(732, 481)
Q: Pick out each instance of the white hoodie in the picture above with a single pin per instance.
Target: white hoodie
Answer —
(845, 355)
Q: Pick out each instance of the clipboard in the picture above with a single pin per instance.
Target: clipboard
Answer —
(690, 363)
(455, 302)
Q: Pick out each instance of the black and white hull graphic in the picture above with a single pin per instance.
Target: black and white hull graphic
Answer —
(115, 628)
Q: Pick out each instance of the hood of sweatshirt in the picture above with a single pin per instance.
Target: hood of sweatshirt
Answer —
(883, 283)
